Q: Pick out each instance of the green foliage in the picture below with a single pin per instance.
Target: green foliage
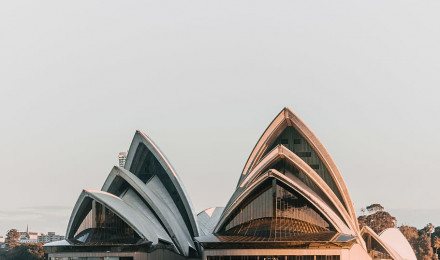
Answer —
(428, 229)
(423, 247)
(419, 241)
(422, 241)
(12, 239)
(411, 234)
(436, 232)
(26, 251)
(375, 208)
(378, 221)
(436, 243)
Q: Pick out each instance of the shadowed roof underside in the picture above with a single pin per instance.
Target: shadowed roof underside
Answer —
(290, 152)
(143, 156)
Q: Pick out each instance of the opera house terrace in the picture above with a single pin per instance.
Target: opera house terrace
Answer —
(290, 203)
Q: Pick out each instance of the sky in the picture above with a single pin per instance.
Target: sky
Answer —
(204, 79)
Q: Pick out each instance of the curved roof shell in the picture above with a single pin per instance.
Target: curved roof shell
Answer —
(396, 240)
(208, 219)
(310, 171)
(390, 250)
(286, 118)
(140, 223)
(295, 184)
(308, 176)
(148, 196)
(143, 149)
(154, 197)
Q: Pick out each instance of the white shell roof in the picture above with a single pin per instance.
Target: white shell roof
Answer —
(141, 138)
(208, 219)
(332, 189)
(58, 243)
(137, 220)
(158, 209)
(157, 197)
(396, 240)
(151, 208)
(299, 187)
(286, 118)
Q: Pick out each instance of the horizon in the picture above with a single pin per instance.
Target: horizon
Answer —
(204, 80)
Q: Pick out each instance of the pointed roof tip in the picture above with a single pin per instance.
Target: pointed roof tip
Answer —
(143, 135)
(90, 190)
(286, 111)
(139, 132)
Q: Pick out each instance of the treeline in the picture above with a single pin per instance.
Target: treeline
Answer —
(425, 242)
(26, 251)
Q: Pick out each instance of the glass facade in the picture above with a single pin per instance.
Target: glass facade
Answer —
(101, 225)
(293, 140)
(374, 248)
(274, 211)
(287, 168)
(145, 166)
(277, 257)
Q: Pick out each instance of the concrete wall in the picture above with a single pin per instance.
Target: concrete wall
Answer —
(356, 252)
(135, 255)
(155, 255)
(262, 252)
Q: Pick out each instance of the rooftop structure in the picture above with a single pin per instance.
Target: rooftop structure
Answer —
(28, 236)
(122, 158)
(50, 237)
(290, 203)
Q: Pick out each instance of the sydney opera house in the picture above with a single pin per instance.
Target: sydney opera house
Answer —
(290, 203)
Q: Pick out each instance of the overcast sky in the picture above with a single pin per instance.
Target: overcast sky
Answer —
(204, 79)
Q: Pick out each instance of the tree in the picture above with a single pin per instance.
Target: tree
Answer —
(27, 251)
(363, 211)
(423, 247)
(378, 221)
(375, 208)
(436, 232)
(436, 244)
(12, 239)
(411, 234)
(429, 229)
(419, 241)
